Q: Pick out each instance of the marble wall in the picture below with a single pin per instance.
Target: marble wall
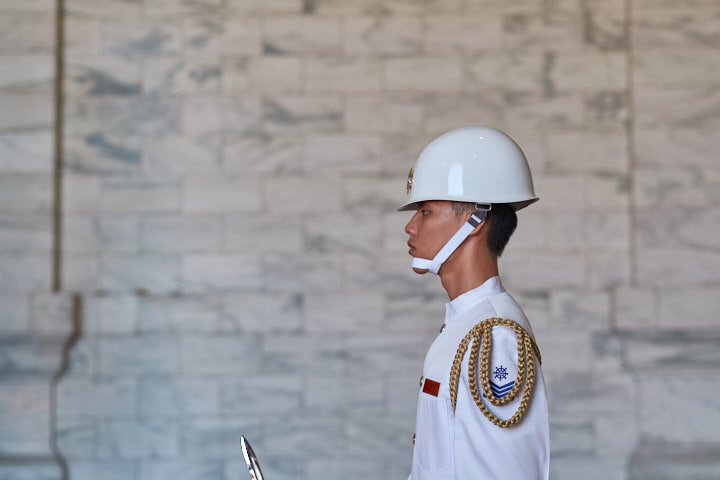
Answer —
(232, 259)
(34, 319)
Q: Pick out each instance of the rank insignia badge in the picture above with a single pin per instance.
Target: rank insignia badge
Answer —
(498, 389)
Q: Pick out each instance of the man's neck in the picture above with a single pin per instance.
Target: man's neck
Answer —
(458, 277)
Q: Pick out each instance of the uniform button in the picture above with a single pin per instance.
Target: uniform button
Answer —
(421, 379)
(413, 439)
(442, 328)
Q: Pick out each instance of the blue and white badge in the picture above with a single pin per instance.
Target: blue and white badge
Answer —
(500, 388)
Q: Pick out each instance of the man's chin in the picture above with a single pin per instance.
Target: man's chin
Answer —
(420, 271)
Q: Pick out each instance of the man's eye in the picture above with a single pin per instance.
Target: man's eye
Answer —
(425, 212)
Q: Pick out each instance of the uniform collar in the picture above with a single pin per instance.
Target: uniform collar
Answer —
(469, 299)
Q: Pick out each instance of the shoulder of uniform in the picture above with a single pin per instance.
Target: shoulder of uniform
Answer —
(479, 341)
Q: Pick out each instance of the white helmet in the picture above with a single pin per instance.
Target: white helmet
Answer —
(473, 164)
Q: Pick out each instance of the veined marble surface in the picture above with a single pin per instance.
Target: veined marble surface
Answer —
(230, 252)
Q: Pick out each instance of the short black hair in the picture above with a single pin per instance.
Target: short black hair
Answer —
(502, 222)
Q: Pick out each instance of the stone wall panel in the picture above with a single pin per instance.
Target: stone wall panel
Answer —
(230, 171)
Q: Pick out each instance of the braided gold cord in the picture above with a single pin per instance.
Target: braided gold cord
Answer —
(482, 334)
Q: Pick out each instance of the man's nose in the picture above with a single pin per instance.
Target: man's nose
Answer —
(410, 228)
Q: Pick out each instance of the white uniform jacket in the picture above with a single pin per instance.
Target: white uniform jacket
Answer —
(466, 445)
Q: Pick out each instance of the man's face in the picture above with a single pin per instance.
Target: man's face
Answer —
(433, 224)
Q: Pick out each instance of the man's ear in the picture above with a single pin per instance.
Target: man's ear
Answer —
(478, 229)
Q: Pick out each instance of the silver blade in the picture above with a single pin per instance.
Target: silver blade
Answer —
(250, 459)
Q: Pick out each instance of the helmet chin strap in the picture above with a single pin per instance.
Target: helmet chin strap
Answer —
(433, 266)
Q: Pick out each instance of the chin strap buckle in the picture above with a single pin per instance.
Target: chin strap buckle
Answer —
(478, 216)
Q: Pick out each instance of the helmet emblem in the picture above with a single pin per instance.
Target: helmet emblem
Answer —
(409, 182)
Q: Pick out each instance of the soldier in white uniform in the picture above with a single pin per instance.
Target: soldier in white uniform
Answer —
(482, 407)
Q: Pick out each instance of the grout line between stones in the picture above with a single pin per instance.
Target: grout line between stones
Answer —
(58, 146)
(630, 129)
(70, 342)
